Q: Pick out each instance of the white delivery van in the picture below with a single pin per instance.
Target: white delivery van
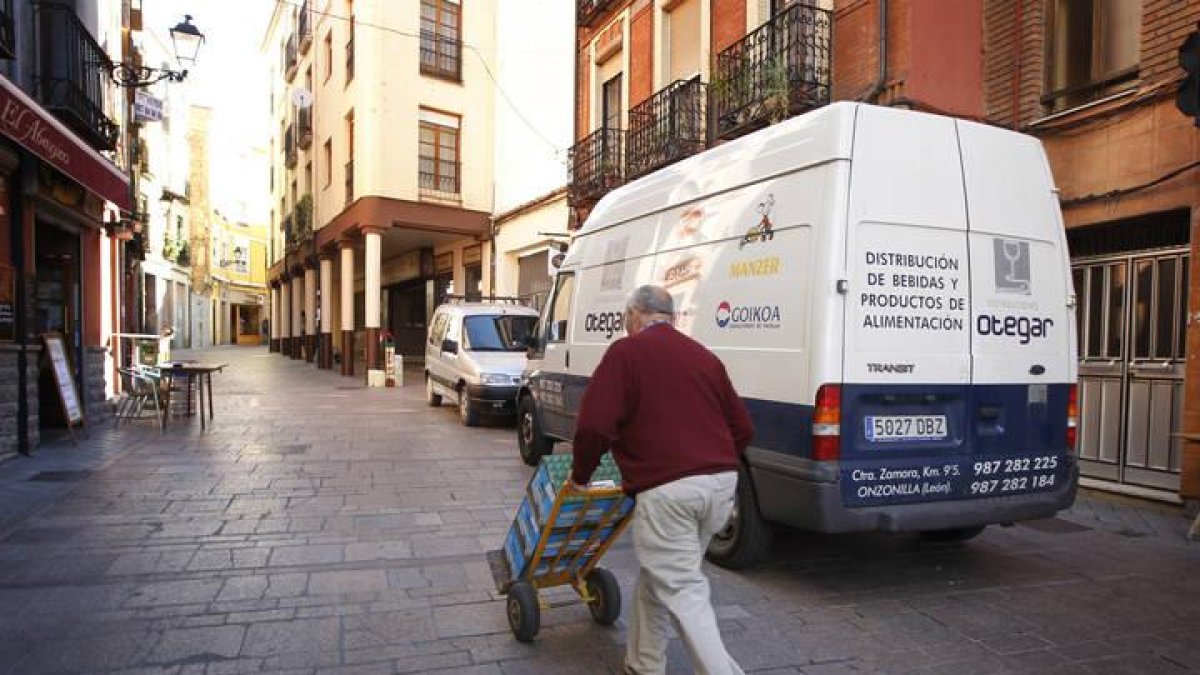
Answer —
(891, 296)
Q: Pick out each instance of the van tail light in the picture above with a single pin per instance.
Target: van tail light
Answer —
(827, 423)
(1072, 417)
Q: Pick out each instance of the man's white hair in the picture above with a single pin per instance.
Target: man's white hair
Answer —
(651, 299)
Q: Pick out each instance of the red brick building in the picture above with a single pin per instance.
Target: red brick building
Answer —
(659, 80)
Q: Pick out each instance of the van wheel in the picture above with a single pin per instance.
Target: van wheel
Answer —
(467, 412)
(532, 443)
(746, 537)
(952, 534)
(431, 399)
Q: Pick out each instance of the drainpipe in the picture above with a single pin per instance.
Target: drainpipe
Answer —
(872, 95)
(17, 239)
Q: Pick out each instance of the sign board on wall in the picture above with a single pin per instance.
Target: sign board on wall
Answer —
(146, 108)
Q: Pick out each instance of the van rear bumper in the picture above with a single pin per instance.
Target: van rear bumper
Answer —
(805, 494)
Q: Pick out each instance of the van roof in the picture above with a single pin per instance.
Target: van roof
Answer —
(820, 136)
(475, 308)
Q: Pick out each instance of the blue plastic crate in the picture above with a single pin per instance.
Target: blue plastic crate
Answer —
(530, 521)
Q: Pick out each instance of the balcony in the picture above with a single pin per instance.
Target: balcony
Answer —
(445, 186)
(587, 11)
(304, 28)
(349, 182)
(72, 75)
(289, 147)
(350, 54)
(8, 35)
(666, 127)
(779, 70)
(289, 233)
(597, 166)
(304, 132)
(290, 58)
(301, 218)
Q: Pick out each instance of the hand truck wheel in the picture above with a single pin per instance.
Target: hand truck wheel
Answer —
(605, 605)
(524, 613)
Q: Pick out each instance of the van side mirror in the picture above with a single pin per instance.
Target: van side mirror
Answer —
(450, 346)
(533, 346)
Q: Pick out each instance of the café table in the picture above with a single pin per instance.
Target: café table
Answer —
(201, 374)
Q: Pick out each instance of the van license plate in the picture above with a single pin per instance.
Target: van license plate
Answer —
(889, 428)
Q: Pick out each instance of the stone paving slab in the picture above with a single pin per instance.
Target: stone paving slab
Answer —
(316, 528)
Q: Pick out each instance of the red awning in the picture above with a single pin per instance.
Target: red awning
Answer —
(27, 123)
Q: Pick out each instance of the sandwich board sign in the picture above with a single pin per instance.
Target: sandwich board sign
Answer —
(64, 380)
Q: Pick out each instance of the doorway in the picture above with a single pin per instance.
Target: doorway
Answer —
(57, 309)
(407, 316)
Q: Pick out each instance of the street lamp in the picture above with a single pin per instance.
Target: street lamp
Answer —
(186, 39)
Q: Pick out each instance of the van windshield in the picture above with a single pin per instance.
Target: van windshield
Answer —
(504, 333)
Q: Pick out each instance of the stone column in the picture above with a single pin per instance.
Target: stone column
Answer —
(285, 316)
(373, 262)
(273, 317)
(297, 315)
(310, 313)
(325, 359)
(347, 247)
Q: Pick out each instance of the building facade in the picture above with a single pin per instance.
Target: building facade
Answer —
(658, 80)
(62, 244)
(382, 171)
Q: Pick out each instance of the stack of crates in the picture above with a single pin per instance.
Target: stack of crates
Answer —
(532, 516)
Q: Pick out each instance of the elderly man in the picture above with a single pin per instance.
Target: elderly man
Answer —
(666, 408)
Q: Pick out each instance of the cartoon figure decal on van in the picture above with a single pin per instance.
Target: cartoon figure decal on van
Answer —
(765, 229)
(1011, 261)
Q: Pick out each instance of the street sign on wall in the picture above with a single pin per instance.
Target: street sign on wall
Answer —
(146, 108)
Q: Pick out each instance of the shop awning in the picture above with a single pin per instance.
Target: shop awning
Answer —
(27, 123)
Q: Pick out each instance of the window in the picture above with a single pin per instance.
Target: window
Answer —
(439, 152)
(507, 333)
(560, 309)
(610, 101)
(350, 42)
(1092, 50)
(327, 157)
(328, 55)
(350, 160)
(439, 329)
(441, 38)
(308, 184)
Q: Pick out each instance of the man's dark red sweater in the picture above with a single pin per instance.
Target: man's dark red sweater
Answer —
(665, 407)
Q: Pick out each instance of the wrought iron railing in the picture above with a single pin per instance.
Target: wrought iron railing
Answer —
(289, 147)
(349, 182)
(779, 70)
(441, 56)
(290, 57)
(72, 77)
(587, 11)
(8, 36)
(440, 185)
(304, 132)
(304, 28)
(597, 166)
(666, 127)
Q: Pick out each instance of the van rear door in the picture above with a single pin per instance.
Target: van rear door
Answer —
(1022, 336)
(905, 432)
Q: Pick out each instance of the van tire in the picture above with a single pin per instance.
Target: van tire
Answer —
(952, 534)
(467, 412)
(532, 443)
(746, 538)
(431, 399)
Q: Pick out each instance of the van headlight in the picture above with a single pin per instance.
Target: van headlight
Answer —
(495, 378)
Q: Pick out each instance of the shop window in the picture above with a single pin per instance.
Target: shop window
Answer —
(1092, 50)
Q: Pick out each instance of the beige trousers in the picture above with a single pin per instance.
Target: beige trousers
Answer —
(672, 525)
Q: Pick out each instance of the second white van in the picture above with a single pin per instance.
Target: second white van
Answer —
(891, 295)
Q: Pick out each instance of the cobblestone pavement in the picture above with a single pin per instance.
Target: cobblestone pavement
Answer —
(320, 527)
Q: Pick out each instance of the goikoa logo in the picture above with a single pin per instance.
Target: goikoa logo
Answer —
(748, 316)
(723, 313)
